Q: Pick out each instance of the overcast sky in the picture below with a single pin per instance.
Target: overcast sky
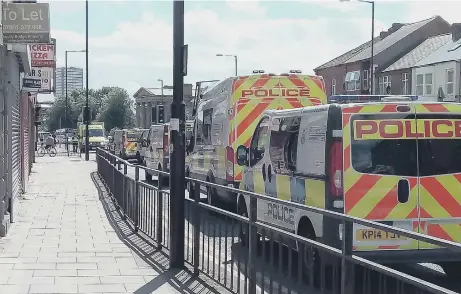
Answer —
(131, 41)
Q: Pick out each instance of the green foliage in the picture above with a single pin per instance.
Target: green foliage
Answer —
(112, 105)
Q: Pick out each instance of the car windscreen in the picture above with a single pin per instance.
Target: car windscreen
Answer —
(96, 132)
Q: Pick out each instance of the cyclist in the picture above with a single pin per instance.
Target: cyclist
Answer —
(49, 142)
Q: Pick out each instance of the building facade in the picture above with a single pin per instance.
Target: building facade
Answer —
(153, 105)
(74, 80)
(349, 73)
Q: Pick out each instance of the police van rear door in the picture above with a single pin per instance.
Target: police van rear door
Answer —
(439, 145)
(380, 172)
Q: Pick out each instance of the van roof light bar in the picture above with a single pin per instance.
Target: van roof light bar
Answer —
(344, 99)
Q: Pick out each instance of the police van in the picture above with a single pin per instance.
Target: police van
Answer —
(397, 163)
(157, 154)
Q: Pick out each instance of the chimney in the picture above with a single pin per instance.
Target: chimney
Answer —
(395, 27)
(383, 35)
(456, 32)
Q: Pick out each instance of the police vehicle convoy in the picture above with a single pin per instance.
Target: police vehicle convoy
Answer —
(225, 116)
(395, 162)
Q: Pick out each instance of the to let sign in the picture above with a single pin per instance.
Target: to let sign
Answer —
(42, 55)
(26, 23)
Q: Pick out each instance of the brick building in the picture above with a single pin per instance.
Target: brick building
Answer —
(349, 73)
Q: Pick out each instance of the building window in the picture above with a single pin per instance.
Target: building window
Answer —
(333, 87)
(366, 75)
(352, 81)
(420, 85)
(450, 81)
(405, 84)
(384, 83)
(428, 84)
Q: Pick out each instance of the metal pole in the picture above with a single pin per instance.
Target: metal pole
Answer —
(65, 120)
(66, 86)
(87, 132)
(236, 72)
(177, 131)
(372, 74)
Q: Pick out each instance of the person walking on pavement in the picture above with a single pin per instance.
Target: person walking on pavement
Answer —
(74, 143)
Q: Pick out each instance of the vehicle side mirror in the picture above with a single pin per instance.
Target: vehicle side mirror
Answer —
(242, 155)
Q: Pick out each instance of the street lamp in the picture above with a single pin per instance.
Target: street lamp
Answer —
(230, 55)
(372, 76)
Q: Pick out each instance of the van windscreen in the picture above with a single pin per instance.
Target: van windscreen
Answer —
(437, 149)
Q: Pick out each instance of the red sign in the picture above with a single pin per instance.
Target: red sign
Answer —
(276, 92)
(42, 55)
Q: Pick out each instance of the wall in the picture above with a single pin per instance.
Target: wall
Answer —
(439, 79)
(396, 77)
(10, 91)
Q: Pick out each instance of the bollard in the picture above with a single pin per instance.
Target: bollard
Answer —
(196, 227)
(159, 211)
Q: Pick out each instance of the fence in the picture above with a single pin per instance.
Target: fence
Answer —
(245, 255)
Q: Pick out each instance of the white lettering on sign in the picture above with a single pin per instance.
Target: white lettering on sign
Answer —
(23, 14)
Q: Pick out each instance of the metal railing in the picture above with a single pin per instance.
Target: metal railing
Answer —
(245, 255)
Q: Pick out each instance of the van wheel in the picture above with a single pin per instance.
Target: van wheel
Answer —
(244, 227)
(148, 176)
(308, 265)
(451, 269)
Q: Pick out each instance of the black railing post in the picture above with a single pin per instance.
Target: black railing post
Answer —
(159, 211)
(253, 244)
(136, 199)
(347, 268)
(124, 192)
(196, 226)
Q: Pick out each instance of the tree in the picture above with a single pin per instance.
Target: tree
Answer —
(112, 105)
(117, 111)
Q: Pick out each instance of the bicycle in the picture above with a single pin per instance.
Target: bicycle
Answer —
(41, 151)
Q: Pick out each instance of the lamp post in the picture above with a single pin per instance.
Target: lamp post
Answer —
(87, 131)
(65, 111)
(372, 68)
(235, 60)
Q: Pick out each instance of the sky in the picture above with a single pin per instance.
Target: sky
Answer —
(131, 42)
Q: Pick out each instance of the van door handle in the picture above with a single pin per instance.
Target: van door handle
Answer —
(264, 171)
(269, 173)
(403, 190)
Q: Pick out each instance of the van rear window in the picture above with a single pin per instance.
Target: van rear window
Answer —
(381, 154)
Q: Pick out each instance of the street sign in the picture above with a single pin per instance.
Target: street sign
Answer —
(26, 23)
(43, 75)
(42, 55)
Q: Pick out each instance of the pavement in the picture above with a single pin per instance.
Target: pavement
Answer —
(68, 238)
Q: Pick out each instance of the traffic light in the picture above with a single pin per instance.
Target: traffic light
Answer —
(161, 113)
(86, 115)
(37, 115)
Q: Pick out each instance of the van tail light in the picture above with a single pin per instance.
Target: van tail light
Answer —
(230, 159)
(336, 169)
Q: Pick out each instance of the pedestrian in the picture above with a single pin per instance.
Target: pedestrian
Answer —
(50, 142)
(74, 143)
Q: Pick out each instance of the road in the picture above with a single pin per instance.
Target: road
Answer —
(223, 257)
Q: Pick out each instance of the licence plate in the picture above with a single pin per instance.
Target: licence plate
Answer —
(376, 235)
